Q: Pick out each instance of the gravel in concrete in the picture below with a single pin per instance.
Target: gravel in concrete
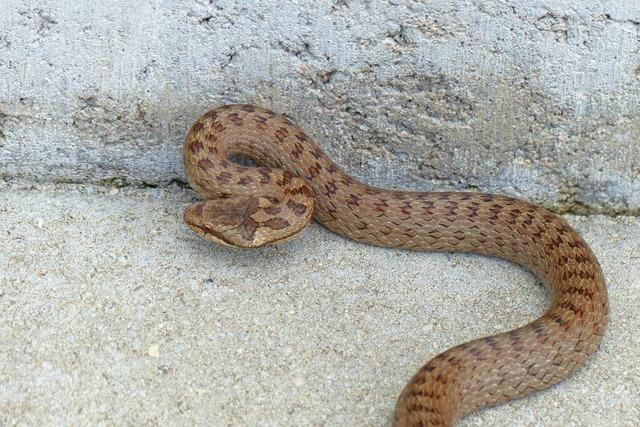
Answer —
(113, 312)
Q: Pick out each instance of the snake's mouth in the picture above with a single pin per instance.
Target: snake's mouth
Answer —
(209, 234)
(191, 214)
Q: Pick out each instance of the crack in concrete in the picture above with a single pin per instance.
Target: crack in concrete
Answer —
(43, 21)
(608, 17)
(555, 24)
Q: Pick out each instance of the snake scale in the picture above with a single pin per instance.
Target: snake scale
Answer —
(252, 206)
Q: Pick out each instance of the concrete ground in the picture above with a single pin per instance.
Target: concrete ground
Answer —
(113, 312)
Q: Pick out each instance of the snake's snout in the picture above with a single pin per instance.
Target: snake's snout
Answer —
(193, 216)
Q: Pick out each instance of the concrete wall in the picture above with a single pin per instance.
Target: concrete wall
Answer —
(535, 99)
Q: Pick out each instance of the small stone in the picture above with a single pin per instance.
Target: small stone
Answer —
(154, 350)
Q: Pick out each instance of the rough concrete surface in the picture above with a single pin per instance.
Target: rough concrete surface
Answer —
(537, 99)
(113, 312)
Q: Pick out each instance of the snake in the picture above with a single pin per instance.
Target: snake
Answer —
(262, 179)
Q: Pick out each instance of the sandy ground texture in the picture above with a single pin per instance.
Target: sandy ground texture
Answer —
(113, 312)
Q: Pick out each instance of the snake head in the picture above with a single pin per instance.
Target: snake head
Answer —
(249, 221)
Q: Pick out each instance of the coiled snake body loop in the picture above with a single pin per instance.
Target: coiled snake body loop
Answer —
(254, 206)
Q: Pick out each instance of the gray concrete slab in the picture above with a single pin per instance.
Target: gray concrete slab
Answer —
(535, 99)
(113, 312)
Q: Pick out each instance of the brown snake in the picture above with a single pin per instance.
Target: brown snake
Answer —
(255, 206)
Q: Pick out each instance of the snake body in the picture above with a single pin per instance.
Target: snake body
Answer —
(252, 206)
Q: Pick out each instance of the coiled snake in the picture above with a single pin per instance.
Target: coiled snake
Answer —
(255, 206)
